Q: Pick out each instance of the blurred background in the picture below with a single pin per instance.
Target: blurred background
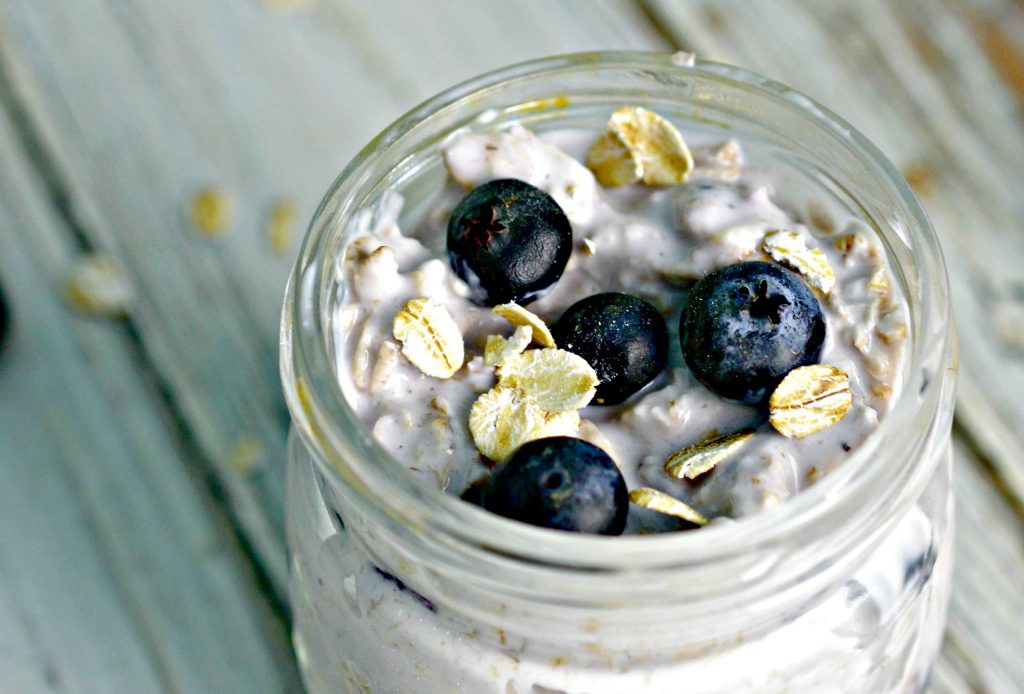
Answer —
(159, 160)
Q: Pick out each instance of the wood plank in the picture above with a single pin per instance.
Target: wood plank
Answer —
(986, 615)
(918, 79)
(117, 570)
(274, 107)
(139, 102)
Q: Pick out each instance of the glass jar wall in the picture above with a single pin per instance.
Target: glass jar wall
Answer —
(397, 587)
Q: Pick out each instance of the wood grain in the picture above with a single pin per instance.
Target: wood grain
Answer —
(133, 452)
(924, 81)
(931, 86)
(117, 572)
(986, 613)
(271, 108)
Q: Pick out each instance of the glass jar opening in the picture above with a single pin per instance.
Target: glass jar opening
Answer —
(775, 550)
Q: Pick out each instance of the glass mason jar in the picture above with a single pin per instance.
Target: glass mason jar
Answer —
(397, 587)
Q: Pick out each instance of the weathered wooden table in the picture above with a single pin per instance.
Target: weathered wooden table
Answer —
(141, 544)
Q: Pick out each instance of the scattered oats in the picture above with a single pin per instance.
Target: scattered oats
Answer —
(430, 338)
(389, 429)
(347, 317)
(374, 275)
(892, 327)
(694, 460)
(729, 154)
(592, 434)
(862, 340)
(361, 356)
(588, 246)
(878, 365)
(881, 391)
(744, 239)
(663, 503)
(820, 217)
(211, 211)
(670, 415)
(790, 249)
(504, 418)
(848, 243)
(538, 394)
(517, 316)
(498, 350)
(361, 246)
(809, 399)
(441, 405)
(677, 411)
(856, 242)
(444, 443)
(244, 454)
(723, 161)
(839, 306)
(558, 380)
(612, 163)
(281, 226)
(97, 286)
(880, 287)
(639, 145)
(384, 367)
(430, 275)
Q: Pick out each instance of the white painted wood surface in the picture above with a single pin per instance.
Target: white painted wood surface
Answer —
(142, 481)
(117, 571)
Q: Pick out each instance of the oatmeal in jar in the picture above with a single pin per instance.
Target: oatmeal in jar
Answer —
(593, 397)
(662, 305)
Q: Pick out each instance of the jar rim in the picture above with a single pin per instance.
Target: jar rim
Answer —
(329, 425)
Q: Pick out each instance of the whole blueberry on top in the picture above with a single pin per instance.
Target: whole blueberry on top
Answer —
(561, 483)
(509, 241)
(746, 326)
(622, 337)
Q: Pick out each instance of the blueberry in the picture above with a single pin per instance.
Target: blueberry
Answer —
(746, 326)
(509, 241)
(622, 337)
(561, 483)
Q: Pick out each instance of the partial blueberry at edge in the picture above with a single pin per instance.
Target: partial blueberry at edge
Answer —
(746, 326)
(509, 241)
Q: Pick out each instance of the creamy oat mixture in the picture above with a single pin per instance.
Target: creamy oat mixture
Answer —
(652, 241)
(361, 629)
